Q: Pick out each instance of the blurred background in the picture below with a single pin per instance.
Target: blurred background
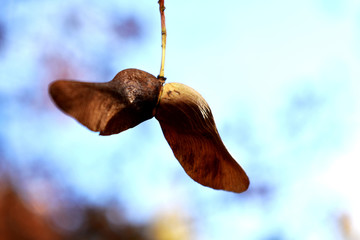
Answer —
(281, 77)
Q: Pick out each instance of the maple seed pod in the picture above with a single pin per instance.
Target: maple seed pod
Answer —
(189, 128)
(109, 107)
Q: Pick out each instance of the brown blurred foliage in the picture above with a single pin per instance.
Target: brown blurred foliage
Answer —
(23, 217)
(17, 221)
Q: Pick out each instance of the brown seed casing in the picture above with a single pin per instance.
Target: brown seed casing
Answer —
(134, 96)
(110, 107)
(190, 130)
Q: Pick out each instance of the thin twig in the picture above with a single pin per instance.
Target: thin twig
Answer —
(163, 39)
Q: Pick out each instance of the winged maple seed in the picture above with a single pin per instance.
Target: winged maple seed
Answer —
(134, 96)
(189, 128)
(109, 107)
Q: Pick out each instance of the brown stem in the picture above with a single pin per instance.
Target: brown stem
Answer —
(163, 39)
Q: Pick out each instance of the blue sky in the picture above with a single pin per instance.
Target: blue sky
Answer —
(282, 80)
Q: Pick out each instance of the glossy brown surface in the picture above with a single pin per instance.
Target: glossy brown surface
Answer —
(134, 96)
(189, 128)
(110, 107)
